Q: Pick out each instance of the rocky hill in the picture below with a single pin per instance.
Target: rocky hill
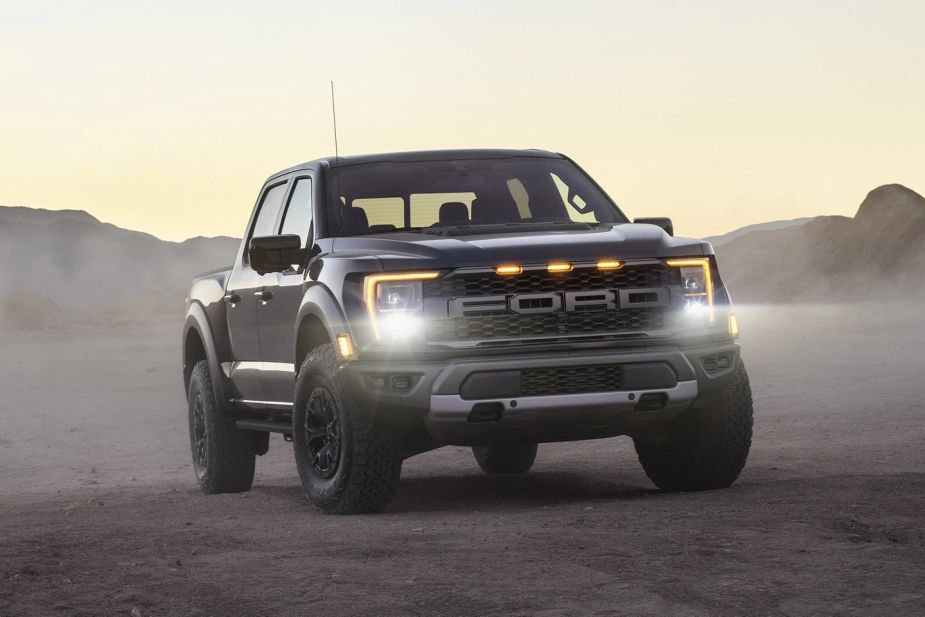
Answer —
(720, 240)
(879, 253)
(65, 266)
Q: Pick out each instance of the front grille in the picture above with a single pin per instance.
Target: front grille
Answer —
(495, 323)
(571, 380)
(513, 325)
(491, 284)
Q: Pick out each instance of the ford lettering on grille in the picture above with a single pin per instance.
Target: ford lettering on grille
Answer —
(553, 302)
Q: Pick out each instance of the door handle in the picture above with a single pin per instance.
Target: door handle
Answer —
(231, 299)
(263, 296)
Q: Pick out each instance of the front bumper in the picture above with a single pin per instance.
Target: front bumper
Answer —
(476, 401)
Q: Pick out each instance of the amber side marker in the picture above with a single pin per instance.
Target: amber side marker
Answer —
(609, 264)
(509, 269)
(345, 346)
(733, 326)
(559, 267)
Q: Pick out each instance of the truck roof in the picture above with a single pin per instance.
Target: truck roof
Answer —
(419, 155)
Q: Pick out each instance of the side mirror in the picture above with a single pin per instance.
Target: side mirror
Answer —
(658, 221)
(275, 253)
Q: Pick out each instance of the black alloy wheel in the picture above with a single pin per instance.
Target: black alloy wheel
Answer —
(323, 433)
(200, 444)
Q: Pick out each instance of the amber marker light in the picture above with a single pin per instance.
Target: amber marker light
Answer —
(508, 269)
(345, 346)
(733, 326)
(371, 286)
(704, 264)
(559, 267)
(609, 264)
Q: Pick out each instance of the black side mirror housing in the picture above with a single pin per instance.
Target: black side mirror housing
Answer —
(658, 221)
(275, 253)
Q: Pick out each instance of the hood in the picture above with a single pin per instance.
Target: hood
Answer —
(411, 250)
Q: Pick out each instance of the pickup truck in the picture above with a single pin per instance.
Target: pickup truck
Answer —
(381, 306)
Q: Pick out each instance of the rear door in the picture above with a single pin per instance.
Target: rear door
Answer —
(242, 296)
(276, 315)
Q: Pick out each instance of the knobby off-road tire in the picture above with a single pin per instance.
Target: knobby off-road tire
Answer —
(348, 464)
(223, 454)
(708, 444)
(505, 458)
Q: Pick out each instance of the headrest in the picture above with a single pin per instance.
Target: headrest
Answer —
(494, 209)
(355, 221)
(454, 212)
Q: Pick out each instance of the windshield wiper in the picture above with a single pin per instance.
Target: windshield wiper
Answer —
(531, 226)
(391, 231)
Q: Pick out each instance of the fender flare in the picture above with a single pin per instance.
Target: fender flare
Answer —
(198, 320)
(319, 302)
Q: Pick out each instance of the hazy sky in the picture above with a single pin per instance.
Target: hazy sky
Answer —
(167, 116)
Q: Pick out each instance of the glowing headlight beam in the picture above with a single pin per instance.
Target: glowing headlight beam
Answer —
(371, 285)
(698, 262)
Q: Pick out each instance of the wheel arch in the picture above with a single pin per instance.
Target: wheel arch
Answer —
(320, 320)
(198, 344)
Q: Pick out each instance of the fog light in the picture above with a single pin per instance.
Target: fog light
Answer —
(376, 381)
(401, 382)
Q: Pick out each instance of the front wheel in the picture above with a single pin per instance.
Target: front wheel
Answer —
(505, 458)
(706, 447)
(347, 464)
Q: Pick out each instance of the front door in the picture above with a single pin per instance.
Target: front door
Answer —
(276, 315)
(243, 298)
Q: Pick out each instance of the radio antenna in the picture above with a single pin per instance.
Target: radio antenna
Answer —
(334, 115)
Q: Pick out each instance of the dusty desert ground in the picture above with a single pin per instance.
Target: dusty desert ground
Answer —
(99, 514)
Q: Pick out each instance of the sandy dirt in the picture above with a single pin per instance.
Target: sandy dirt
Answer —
(99, 514)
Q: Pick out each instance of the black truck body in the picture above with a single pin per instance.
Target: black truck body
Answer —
(507, 331)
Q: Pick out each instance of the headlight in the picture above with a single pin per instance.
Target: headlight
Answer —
(395, 302)
(697, 284)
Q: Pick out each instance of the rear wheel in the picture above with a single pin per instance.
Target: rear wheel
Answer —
(505, 458)
(347, 464)
(707, 446)
(223, 455)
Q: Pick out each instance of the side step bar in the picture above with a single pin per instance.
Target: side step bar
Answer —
(266, 426)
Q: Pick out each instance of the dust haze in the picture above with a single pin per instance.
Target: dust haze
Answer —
(100, 514)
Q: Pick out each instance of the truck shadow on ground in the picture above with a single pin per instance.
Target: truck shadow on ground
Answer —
(496, 493)
(530, 490)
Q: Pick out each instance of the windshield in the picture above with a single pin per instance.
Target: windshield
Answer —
(442, 195)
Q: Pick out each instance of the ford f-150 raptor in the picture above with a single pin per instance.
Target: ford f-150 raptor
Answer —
(384, 305)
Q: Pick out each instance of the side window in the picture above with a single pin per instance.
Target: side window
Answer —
(265, 225)
(298, 217)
